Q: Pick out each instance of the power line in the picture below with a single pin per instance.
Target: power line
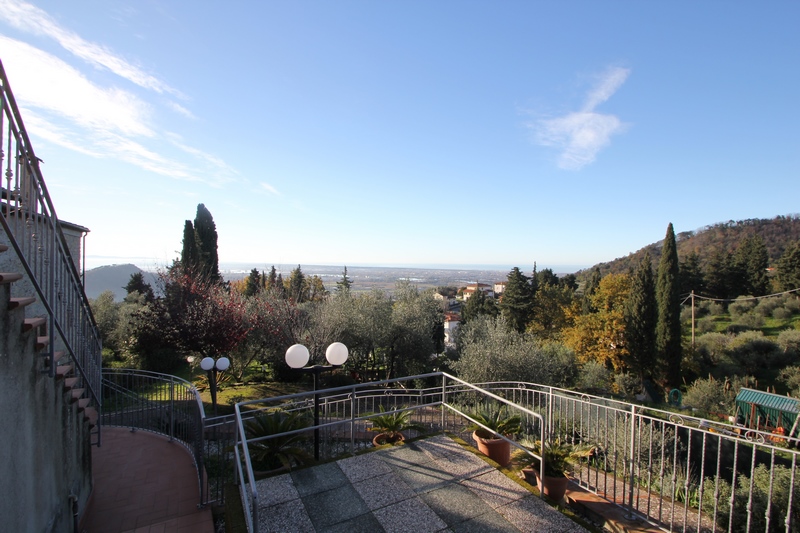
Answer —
(740, 299)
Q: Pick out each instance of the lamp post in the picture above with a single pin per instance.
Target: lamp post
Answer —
(212, 367)
(297, 357)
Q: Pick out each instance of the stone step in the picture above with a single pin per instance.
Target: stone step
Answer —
(83, 403)
(17, 303)
(605, 512)
(63, 371)
(41, 343)
(31, 323)
(70, 383)
(90, 415)
(9, 277)
(76, 394)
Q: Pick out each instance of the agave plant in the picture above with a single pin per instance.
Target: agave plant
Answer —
(391, 425)
(497, 420)
(283, 451)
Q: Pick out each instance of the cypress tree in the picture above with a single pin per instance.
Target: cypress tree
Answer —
(668, 329)
(641, 315)
(253, 283)
(190, 259)
(297, 285)
(343, 286)
(272, 280)
(206, 233)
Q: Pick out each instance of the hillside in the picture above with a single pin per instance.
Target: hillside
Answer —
(776, 232)
(114, 278)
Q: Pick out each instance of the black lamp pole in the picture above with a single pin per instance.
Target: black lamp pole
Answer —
(297, 357)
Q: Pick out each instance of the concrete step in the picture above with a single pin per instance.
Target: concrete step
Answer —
(42, 343)
(17, 303)
(605, 512)
(83, 404)
(62, 371)
(9, 277)
(76, 394)
(31, 323)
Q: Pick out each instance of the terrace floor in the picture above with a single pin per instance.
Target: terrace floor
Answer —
(143, 483)
(430, 485)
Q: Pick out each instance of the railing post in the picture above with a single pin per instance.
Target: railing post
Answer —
(549, 421)
(171, 409)
(444, 398)
(353, 421)
(632, 463)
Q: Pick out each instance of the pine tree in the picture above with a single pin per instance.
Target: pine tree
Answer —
(190, 258)
(280, 287)
(206, 234)
(751, 260)
(691, 275)
(272, 280)
(517, 302)
(138, 284)
(253, 284)
(589, 290)
(297, 286)
(343, 286)
(789, 267)
(641, 315)
(668, 329)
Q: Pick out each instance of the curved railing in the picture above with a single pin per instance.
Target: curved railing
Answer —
(161, 403)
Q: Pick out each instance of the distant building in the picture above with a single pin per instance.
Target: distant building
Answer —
(451, 322)
(499, 287)
(469, 290)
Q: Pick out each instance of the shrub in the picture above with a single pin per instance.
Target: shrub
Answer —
(686, 314)
(705, 325)
(766, 306)
(792, 303)
(716, 309)
(627, 384)
(789, 342)
(742, 305)
(593, 376)
(754, 352)
(750, 321)
(781, 313)
(713, 346)
(709, 396)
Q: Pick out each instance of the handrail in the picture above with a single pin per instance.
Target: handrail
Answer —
(34, 232)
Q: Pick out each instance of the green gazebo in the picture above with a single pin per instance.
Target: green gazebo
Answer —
(763, 410)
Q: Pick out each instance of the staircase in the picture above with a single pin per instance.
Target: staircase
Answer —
(63, 371)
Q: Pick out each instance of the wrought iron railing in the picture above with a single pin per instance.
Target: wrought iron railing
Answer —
(172, 407)
(34, 232)
(674, 471)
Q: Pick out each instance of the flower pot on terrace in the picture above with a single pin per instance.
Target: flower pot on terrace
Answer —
(387, 438)
(496, 449)
(554, 487)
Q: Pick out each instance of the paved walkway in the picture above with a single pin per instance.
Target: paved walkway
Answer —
(144, 484)
(425, 486)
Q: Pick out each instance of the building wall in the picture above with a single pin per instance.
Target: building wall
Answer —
(46, 449)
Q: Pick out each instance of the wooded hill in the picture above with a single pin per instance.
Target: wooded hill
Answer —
(777, 233)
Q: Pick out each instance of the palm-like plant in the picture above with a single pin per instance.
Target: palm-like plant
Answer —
(278, 451)
(497, 420)
(391, 425)
(559, 456)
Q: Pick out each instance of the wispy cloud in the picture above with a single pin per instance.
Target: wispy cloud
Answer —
(31, 19)
(269, 188)
(580, 135)
(63, 106)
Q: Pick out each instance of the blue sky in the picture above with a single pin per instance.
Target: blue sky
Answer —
(396, 133)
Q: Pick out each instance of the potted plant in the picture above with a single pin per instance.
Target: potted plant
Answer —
(489, 441)
(559, 457)
(391, 425)
(279, 453)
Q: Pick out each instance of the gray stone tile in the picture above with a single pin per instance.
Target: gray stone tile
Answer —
(365, 523)
(495, 488)
(363, 467)
(464, 465)
(455, 504)
(409, 515)
(383, 490)
(332, 507)
(275, 490)
(490, 521)
(534, 515)
(439, 446)
(423, 477)
(320, 478)
(287, 516)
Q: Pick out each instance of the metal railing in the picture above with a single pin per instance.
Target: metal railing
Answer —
(673, 471)
(172, 407)
(345, 414)
(34, 232)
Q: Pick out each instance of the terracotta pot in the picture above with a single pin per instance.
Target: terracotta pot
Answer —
(383, 438)
(554, 487)
(498, 450)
